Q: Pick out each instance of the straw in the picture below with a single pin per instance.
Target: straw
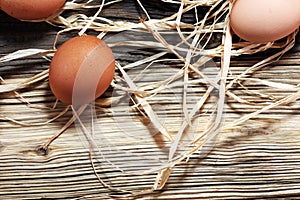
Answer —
(213, 27)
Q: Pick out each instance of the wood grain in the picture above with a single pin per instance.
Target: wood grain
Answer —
(259, 159)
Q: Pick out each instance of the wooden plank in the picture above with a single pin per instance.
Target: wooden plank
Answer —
(257, 159)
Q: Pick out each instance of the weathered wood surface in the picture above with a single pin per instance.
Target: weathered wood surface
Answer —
(261, 159)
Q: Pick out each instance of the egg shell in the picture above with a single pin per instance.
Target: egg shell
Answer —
(31, 9)
(81, 70)
(261, 21)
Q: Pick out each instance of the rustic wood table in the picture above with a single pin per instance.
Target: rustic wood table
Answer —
(261, 159)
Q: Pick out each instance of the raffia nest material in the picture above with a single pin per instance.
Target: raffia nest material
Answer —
(205, 39)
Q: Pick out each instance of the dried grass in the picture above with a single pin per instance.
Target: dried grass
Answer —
(214, 23)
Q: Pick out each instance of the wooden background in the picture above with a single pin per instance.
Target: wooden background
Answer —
(261, 159)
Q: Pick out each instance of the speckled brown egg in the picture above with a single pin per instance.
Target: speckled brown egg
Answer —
(81, 70)
(31, 9)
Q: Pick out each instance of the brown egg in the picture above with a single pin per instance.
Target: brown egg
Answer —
(31, 9)
(81, 70)
(261, 21)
